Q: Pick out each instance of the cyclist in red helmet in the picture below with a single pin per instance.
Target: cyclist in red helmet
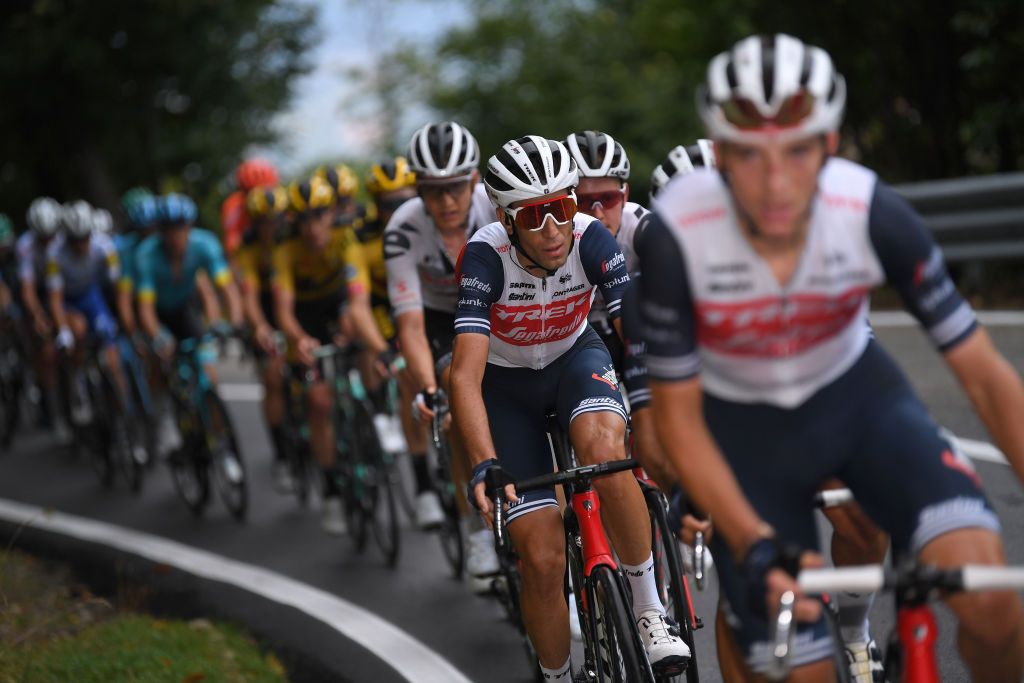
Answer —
(234, 220)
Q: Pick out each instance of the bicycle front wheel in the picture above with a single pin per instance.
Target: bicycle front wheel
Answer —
(226, 458)
(619, 656)
(671, 581)
(380, 506)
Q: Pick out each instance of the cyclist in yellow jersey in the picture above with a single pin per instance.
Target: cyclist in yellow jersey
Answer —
(346, 212)
(266, 207)
(319, 282)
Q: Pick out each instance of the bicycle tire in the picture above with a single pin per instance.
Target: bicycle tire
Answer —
(224, 454)
(122, 438)
(97, 434)
(449, 533)
(189, 468)
(380, 506)
(621, 659)
(669, 576)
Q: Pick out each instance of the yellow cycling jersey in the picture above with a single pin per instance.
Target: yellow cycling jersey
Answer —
(255, 267)
(371, 237)
(314, 276)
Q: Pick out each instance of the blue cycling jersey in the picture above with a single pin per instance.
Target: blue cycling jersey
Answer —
(157, 279)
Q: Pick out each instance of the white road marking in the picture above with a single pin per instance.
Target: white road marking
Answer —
(986, 318)
(413, 660)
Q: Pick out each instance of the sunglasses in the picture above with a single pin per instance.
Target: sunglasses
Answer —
(435, 192)
(531, 217)
(743, 113)
(607, 200)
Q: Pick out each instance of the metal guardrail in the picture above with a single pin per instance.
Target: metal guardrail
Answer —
(974, 219)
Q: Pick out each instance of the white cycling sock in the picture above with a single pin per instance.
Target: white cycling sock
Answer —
(645, 589)
(562, 673)
(853, 615)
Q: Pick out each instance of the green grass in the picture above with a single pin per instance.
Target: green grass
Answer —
(51, 631)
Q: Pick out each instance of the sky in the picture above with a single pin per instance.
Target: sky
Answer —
(318, 126)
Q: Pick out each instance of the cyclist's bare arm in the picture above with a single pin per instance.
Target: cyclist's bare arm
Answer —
(363, 324)
(469, 361)
(412, 336)
(229, 290)
(251, 309)
(284, 310)
(125, 312)
(995, 390)
(32, 302)
(208, 296)
(60, 317)
(148, 321)
(702, 469)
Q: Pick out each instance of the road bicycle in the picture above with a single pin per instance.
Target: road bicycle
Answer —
(209, 451)
(439, 453)
(367, 477)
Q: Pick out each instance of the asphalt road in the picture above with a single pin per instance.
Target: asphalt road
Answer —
(419, 596)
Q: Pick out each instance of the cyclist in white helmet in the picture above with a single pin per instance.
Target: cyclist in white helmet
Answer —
(680, 161)
(766, 382)
(523, 348)
(422, 243)
(43, 217)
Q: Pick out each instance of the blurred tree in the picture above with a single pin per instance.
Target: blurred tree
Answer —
(934, 87)
(103, 96)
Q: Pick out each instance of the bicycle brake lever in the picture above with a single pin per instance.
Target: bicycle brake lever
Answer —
(698, 560)
(782, 638)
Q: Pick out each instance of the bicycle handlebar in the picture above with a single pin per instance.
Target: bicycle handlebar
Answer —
(576, 475)
(831, 498)
(919, 581)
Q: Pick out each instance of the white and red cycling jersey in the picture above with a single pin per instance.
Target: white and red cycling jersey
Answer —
(629, 231)
(533, 320)
(420, 272)
(715, 307)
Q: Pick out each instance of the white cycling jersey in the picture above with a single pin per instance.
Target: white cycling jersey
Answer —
(31, 259)
(75, 273)
(711, 304)
(632, 214)
(421, 273)
(533, 320)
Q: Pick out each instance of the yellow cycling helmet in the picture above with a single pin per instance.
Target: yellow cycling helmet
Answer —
(262, 202)
(310, 195)
(390, 175)
(341, 179)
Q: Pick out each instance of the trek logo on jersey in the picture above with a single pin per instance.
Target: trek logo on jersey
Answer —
(616, 260)
(475, 283)
(608, 376)
(536, 323)
(774, 328)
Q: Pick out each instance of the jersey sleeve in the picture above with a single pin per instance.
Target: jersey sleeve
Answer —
(914, 266)
(213, 259)
(54, 279)
(26, 271)
(667, 320)
(145, 287)
(400, 261)
(357, 273)
(111, 259)
(283, 278)
(605, 265)
(481, 279)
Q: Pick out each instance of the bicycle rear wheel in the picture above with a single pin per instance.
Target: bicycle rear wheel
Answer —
(226, 458)
(671, 582)
(380, 507)
(620, 657)
(123, 443)
(97, 434)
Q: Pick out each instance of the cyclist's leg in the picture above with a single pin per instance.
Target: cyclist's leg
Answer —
(940, 514)
(103, 326)
(272, 373)
(779, 458)
(516, 402)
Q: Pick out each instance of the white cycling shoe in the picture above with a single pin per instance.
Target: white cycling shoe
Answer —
(283, 480)
(333, 521)
(429, 514)
(667, 652)
(865, 662)
(481, 560)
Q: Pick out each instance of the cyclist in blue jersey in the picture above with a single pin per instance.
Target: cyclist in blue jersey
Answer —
(167, 266)
(523, 348)
(766, 382)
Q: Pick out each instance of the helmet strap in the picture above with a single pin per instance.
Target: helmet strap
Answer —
(514, 239)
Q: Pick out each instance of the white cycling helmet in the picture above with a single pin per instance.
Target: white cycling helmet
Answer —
(681, 161)
(442, 151)
(76, 219)
(598, 155)
(43, 216)
(771, 86)
(529, 167)
(102, 221)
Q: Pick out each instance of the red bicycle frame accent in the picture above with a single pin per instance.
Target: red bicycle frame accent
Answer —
(917, 633)
(596, 550)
